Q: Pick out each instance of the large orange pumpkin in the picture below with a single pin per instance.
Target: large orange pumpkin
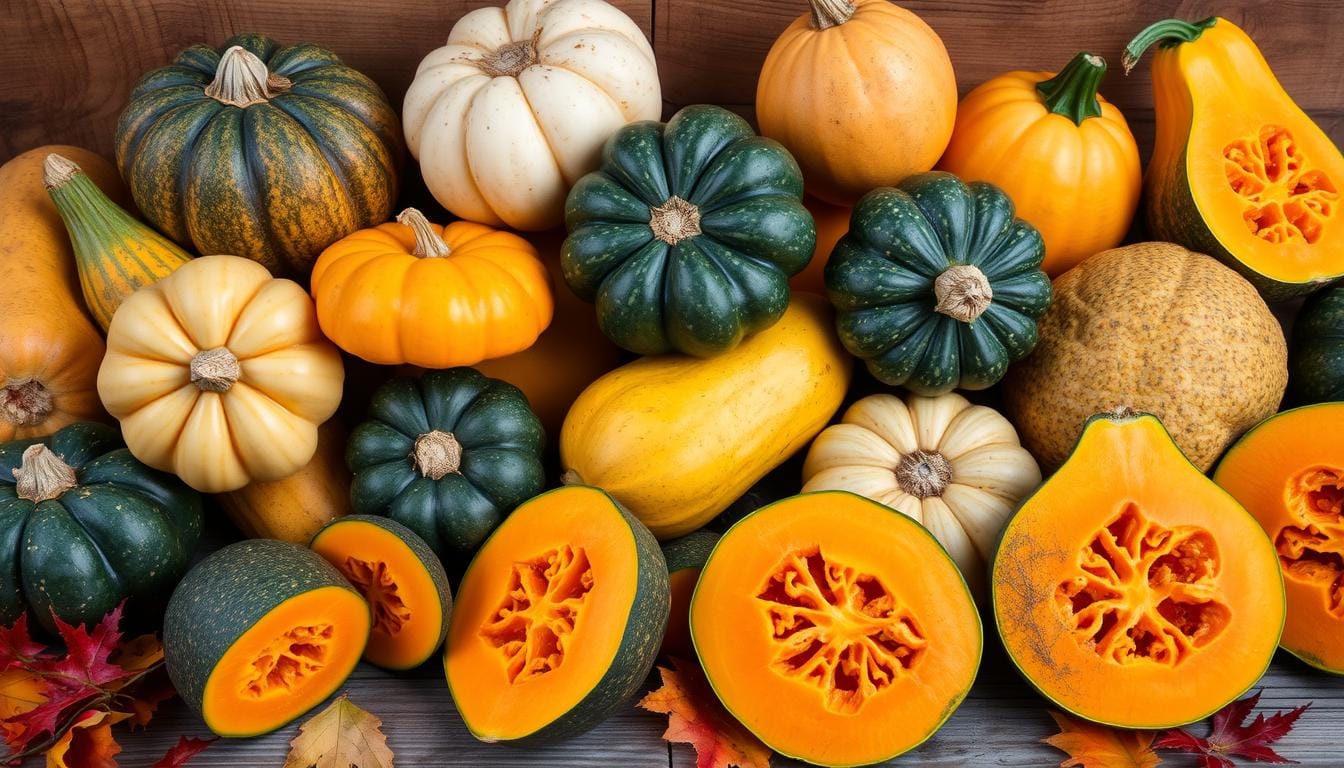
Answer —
(1062, 153)
(862, 93)
(438, 297)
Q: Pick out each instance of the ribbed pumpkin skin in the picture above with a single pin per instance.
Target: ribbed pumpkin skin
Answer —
(1316, 356)
(275, 181)
(729, 275)
(124, 531)
(881, 277)
(500, 464)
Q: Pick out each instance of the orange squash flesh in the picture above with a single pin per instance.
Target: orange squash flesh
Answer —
(287, 663)
(1131, 590)
(1289, 473)
(402, 580)
(825, 576)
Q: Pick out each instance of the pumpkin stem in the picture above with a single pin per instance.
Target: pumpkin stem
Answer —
(57, 171)
(241, 80)
(436, 454)
(1073, 92)
(510, 59)
(42, 475)
(674, 220)
(215, 370)
(428, 243)
(963, 293)
(570, 477)
(25, 402)
(923, 474)
(1166, 33)
(831, 13)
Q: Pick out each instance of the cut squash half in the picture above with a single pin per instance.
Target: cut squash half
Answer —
(402, 580)
(1132, 591)
(1289, 474)
(836, 629)
(558, 619)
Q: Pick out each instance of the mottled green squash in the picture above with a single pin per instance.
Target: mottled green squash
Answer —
(1316, 356)
(685, 558)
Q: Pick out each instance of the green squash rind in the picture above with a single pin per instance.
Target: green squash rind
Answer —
(224, 596)
(703, 294)
(125, 531)
(430, 562)
(689, 551)
(881, 274)
(635, 655)
(1316, 355)
(502, 441)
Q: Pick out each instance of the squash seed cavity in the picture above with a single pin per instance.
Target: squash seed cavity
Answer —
(838, 629)
(283, 665)
(1145, 593)
(1313, 550)
(1286, 199)
(537, 616)
(379, 588)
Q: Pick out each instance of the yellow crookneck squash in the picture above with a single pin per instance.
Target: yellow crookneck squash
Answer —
(438, 297)
(676, 439)
(1063, 154)
(220, 375)
(1238, 170)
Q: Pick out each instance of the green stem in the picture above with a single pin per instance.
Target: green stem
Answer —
(1165, 33)
(1073, 92)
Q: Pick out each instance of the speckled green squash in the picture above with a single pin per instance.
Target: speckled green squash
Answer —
(685, 557)
(1316, 356)
(687, 235)
(937, 285)
(314, 158)
(402, 467)
(120, 531)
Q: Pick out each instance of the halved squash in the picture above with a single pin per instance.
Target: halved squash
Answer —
(1289, 473)
(401, 579)
(259, 633)
(1131, 590)
(835, 629)
(558, 619)
(685, 558)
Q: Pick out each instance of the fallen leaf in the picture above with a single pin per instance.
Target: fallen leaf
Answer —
(17, 648)
(1089, 745)
(147, 697)
(21, 691)
(340, 736)
(89, 744)
(87, 661)
(139, 654)
(185, 749)
(695, 717)
(1232, 737)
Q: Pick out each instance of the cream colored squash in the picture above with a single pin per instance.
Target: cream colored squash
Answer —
(516, 107)
(956, 468)
(219, 374)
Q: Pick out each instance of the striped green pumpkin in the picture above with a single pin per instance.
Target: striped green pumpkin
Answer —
(260, 151)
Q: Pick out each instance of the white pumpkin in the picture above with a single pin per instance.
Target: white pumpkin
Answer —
(956, 468)
(516, 107)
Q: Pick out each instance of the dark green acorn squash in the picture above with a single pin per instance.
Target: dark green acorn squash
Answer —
(1316, 356)
(83, 526)
(937, 284)
(448, 455)
(259, 150)
(687, 235)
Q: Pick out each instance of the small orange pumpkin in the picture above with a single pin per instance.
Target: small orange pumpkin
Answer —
(1063, 154)
(414, 292)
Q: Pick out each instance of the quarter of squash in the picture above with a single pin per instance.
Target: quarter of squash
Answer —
(676, 439)
(259, 633)
(1132, 591)
(558, 619)
(1289, 473)
(685, 558)
(402, 580)
(836, 629)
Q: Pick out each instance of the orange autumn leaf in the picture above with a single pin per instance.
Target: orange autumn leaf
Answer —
(139, 654)
(20, 691)
(695, 717)
(1096, 746)
(89, 744)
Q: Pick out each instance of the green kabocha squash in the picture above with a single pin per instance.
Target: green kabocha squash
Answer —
(937, 285)
(448, 455)
(687, 235)
(1316, 356)
(259, 150)
(84, 526)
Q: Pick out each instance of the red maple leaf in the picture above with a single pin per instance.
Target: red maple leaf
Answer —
(1232, 737)
(696, 717)
(185, 749)
(87, 662)
(17, 648)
